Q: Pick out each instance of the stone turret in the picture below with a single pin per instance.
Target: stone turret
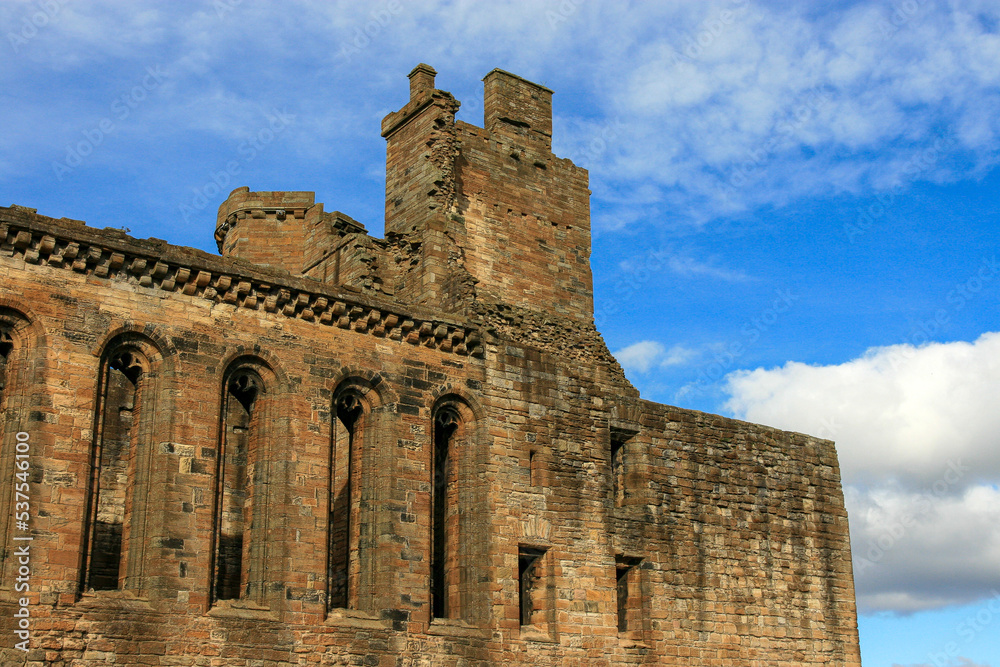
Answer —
(484, 215)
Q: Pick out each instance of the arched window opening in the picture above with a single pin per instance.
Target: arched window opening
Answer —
(6, 351)
(17, 343)
(445, 516)
(6, 348)
(239, 426)
(345, 473)
(112, 460)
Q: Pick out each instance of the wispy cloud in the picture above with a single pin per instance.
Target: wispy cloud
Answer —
(690, 267)
(774, 102)
(678, 355)
(682, 264)
(690, 109)
(640, 356)
(781, 104)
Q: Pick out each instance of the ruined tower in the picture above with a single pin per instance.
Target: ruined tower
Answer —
(320, 447)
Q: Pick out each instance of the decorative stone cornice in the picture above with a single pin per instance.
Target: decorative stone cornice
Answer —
(112, 256)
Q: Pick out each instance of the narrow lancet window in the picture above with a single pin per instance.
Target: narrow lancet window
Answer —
(233, 527)
(534, 474)
(444, 531)
(344, 502)
(6, 348)
(111, 470)
(9, 414)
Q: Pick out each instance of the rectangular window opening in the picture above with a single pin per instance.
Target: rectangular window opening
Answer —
(619, 464)
(628, 593)
(617, 469)
(529, 589)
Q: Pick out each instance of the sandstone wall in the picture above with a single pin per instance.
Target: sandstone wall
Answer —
(322, 448)
(733, 536)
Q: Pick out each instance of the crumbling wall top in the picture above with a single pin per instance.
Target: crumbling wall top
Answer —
(516, 107)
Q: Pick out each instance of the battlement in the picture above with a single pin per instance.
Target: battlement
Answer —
(284, 230)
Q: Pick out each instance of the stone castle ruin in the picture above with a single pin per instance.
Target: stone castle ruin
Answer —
(324, 448)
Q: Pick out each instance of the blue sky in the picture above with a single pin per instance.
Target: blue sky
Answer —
(794, 210)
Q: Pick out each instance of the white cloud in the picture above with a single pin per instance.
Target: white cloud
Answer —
(917, 432)
(640, 267)
(640, 356)
(678, 355)
(648, 354)
(899, 411)
(776, 101)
